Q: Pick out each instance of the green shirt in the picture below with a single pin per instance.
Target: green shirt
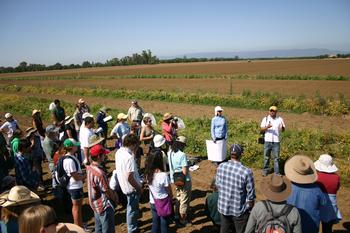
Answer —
(14, 145)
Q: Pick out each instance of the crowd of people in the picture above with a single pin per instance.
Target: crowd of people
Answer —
(76, 152)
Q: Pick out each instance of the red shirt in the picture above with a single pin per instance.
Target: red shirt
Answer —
(328, 182)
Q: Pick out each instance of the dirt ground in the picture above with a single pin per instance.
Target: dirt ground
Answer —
(223, 86)
(262, 67)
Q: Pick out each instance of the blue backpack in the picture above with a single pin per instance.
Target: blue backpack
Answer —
(61, 175)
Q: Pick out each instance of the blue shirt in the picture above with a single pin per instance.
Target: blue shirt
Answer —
(121, 129)
(218, 127)
(176, 162)
(308, 198)
(99, 119)
(24, 173)
(235, 185)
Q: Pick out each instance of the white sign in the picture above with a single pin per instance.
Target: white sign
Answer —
(216, 151)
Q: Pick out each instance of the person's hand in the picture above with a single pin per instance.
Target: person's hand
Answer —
(269, 125)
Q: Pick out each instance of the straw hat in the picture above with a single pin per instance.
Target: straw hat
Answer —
(35, 111)
(300, 169)
(325, 164)
(68, 120)
(276, 187)
(30, 131)
(69, 228)
(18, 195)
(167, 116)
(274, 108)
(94, 140)
(122, 116)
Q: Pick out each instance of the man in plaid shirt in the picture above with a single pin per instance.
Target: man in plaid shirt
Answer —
(235, 184)
(101, 198)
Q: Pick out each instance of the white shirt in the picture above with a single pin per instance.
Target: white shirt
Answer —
(159, 186)
(69, 166)
(9, 127)
(84, 135)
(272, 134)
(124, 164)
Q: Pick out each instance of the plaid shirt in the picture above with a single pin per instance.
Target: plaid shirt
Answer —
(24, 173)
(97, 188)
(235, 184)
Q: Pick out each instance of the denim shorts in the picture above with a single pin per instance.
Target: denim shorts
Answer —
(76, 194)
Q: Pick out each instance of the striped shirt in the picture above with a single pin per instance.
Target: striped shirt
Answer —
(97, 187)
(235, 184)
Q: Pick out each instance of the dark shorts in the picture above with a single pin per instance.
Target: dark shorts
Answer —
(76, 194)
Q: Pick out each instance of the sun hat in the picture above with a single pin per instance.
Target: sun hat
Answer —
(87, 114)
(68, 120)
(81, 101)
(70, 142)
(72, 228)
(122, 116)
(104, 109)
(51, 129)
(276, 187)
(181, 139)
(236, 149)
(325, 164)
(8, 115)
(158, 140)
(274, 108)
(18, 195)
(94, 140)
(30, 131)
(218, 109)
(97, 150)
(35, 111)
(300, 169)
(167, 116)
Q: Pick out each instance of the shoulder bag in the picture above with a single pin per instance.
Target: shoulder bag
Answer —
(178, 176)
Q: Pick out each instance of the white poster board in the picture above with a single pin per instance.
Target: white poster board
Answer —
(216, 151)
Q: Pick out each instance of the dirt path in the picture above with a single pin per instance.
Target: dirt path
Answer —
(298, 121)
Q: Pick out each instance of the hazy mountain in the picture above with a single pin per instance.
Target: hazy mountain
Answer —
(261, 54)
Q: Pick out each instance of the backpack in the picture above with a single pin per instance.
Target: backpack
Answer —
(61, 175)
(275, 223)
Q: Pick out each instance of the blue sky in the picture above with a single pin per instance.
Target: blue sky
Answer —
(72, 31)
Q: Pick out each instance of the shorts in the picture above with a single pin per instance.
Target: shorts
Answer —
(76, 194)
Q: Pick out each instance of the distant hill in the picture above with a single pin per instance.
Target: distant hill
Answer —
(261, 54)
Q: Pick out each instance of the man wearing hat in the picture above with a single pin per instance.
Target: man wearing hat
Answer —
(85, 133)
(9, 126)
(235, 185)
(100, 195)
(306, 194)
(271, 126)
(276, 189)
(121, 129)
(50, 144)
(58, 113)
(135, 112)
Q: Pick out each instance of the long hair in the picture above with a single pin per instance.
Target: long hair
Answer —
(154, 161)
(36, 217)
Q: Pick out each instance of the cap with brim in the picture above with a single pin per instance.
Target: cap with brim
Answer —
(35, 111)
(325, 164)
(51, 129)
(70, 142)
(97, 150)
(87, 114)
(181, 139)
(167, 116)
(276, 188)
(94, 140)
(158, 140)
(122, 116)
(218, 109)
(300, 169)
(18, 195)
(81, 101)
(72, 228)
(274, 108)
(104, 109)
(8, 115)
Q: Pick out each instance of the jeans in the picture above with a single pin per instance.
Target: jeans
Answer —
(233, 224)
(104, 223)
(273, 147)
(132, 211)
(157, 221)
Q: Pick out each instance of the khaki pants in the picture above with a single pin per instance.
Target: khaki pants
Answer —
(183, 196)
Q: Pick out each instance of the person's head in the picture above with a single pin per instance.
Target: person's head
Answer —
(57, 102)
(8, 117)
(236, 151)
(89, 122)
(52, 132)
(134, 103)
(325, 164)
(131, 141)
(179, 144)
(147, 121)
(273, 111)
(98, 153)
(36, 114)
(158, 141)
(38, 219)
(218, 111)
(167, 117)
(154, 161)
(134, 127)
(300, 169)
(104, 109)
(81, 102)
(122, 117)
(276, 188)
(24, 146)
(71, 145)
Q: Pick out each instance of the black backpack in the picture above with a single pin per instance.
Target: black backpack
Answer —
(275, 223)
(61, 175)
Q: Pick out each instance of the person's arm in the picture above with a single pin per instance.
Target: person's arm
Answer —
(250, 189)
(170, 191)
(142, 137)
(283, 126)
(69, 133)
(53, 114)
(212, 126)
(264, 126)
(252, 221)
(225, 129)
(77, 176)
(29, 176)
(297, 227)
(133, 182)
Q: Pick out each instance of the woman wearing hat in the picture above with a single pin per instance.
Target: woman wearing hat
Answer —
(121, 129)
(306, 194)
(218, 128)
(329, 182)
(169, 127)
(276, 189)
(37, 122)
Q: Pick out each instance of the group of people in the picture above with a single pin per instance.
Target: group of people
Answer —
(76, 152)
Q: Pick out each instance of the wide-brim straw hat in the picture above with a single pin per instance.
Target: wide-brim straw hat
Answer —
(276, 188)
(300, 169)
(72, 228)
(122, 116)
(35, 111)
(18, 195)
(94, 140)
(325, 164)
(167, 116)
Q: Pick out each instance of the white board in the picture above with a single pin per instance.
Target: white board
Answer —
(216, 151)
(180, 123)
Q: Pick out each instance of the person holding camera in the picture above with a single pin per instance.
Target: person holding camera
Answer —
(169, 127)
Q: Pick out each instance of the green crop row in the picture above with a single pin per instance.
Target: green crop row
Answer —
(331, 106)
(310, 142)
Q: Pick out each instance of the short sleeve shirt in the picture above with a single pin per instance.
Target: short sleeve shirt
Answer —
(177, 161)
(84, 135)
(272, 134)
(9, 127)
(159, 186)
(69, 166)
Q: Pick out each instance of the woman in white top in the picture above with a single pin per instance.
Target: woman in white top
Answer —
(159, 187)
